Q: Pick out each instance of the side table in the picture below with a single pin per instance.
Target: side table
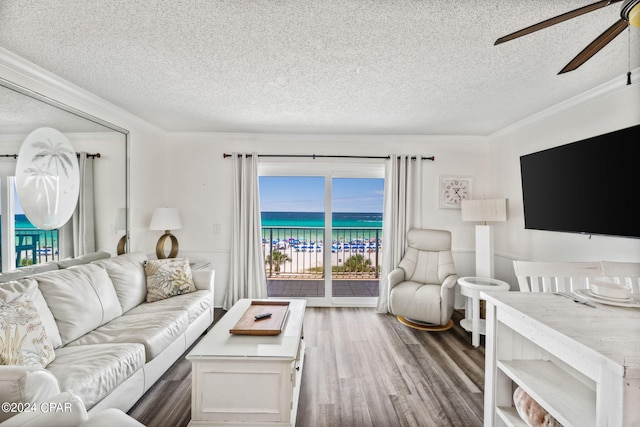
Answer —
(471, 287)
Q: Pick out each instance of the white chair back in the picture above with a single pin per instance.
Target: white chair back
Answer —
(534, 276)
(428, 257)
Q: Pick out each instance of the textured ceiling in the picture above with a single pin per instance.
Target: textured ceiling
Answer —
(26, 113)
(318, 66)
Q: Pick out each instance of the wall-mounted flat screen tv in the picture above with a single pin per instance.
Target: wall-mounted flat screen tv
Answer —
(590, 186)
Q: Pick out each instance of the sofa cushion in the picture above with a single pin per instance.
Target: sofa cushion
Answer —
(83, 259)
(93, 371)
(81, 298)
(11, 290)
(23, 338)
(22, 272)
(167, 278)
(155, 332)
(194, 304)
(127, 274)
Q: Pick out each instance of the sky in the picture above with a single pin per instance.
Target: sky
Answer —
(306, 194)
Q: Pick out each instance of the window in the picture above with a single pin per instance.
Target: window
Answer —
(21, 243)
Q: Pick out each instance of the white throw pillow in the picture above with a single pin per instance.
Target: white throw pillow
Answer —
(168, 277)
(23, 339)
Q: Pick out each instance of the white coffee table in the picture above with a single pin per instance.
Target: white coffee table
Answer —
(471, 287)
(247, 379)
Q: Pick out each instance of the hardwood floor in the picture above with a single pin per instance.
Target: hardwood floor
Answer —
(361, 369)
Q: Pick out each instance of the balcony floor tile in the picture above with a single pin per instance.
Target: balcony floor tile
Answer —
(315, 288)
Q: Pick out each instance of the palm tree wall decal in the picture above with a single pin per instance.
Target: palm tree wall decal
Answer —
(53, 155)
(47, 178)
(41, 177)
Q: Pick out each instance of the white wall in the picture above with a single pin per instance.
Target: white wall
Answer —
(605, 109)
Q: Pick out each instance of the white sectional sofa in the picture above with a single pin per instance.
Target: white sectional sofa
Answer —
(110, 344)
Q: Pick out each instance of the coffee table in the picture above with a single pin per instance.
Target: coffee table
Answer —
(248, 379)
(471, 287)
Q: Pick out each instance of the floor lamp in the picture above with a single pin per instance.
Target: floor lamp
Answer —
(484, 210)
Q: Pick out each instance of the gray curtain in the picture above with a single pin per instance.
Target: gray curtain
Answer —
(402, 211)
(78, 236)
(247, 277)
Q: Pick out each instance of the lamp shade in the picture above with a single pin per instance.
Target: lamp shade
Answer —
(484, 210)
(165, 219)
(630, 11)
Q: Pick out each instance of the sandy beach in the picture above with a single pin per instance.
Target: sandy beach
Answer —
(314, 258)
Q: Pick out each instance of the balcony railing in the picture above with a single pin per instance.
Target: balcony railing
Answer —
(34, 246)
(299, 253)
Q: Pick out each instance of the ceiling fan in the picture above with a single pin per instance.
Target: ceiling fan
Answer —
(629, 14)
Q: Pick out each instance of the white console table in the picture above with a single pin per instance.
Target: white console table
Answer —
(247, 379)
(581, 364)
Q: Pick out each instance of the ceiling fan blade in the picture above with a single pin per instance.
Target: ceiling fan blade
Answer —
(595, 46)
(555, 20)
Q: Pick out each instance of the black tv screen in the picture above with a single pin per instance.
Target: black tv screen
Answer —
(590, 186)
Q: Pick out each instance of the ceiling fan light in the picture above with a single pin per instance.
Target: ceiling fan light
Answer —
(634, 15)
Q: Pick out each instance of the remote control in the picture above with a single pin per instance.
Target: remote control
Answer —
(263, 316)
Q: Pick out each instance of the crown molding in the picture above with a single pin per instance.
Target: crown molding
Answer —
(43, 83)
(609, 88)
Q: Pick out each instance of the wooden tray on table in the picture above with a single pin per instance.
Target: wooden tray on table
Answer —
(248, 325)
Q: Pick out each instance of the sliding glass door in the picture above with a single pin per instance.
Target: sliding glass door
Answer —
(321, 228)
(293, 224)
(356, 231)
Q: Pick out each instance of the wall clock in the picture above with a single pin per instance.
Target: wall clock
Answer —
(453, 190)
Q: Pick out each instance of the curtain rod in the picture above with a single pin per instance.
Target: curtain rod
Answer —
(93, 156)
(316, 156)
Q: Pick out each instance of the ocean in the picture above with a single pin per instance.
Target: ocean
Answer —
(316, 219)
(21, 221)
(308, 227)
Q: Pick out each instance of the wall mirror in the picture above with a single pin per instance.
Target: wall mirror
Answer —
(22, 112)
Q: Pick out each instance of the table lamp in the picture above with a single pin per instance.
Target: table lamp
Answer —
(484, 210)
(166, 219)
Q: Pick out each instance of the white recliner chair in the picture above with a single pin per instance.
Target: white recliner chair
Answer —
(422, 288)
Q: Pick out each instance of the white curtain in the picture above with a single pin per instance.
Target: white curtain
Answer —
(78, 236)
(247, 277)
(402, 211)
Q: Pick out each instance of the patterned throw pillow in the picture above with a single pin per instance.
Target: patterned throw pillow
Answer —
(23, 339)
(167, 278)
